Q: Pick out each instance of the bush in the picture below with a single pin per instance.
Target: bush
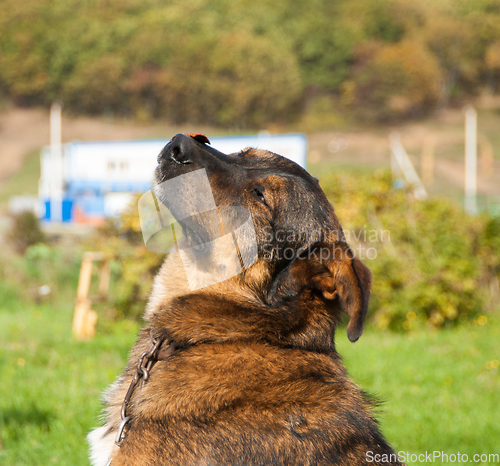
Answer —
(397, 80)
(25, 231)
(133, 267)
(235, 79)
(52, 272)
(46, 273)
(437, 265)
(244, 63)
(97, 86)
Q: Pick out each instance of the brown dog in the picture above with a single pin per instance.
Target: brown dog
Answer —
(254, 378)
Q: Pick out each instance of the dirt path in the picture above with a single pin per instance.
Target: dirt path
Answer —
(21, 131)
(454, 172)
(372, 150)
(25, 130)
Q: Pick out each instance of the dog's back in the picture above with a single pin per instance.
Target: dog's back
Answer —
(250, 404)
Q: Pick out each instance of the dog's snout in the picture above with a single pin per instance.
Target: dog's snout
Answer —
(178, 150)
(178, 155)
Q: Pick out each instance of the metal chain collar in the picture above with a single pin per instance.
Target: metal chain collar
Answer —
(144, 365)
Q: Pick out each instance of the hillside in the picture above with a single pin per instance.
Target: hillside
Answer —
(24, 131)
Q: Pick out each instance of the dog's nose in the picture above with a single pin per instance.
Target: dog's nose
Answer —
(178, 150)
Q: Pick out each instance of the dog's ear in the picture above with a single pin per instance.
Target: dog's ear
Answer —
(340, 273)
(354, 282)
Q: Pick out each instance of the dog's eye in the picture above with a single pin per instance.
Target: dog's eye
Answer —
(258, 194)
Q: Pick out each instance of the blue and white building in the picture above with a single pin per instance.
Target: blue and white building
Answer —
(86, 182)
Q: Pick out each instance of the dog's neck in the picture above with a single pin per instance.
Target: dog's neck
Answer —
(222, 314)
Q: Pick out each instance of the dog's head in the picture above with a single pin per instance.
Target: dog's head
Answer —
(302, 262)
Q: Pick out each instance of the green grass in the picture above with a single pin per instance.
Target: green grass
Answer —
(441, 389)
(49, 395)
(24, 181)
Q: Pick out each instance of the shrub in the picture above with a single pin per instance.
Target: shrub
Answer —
(437, 266)
(54, 268)
(25, 231)
(244, 63)
(398, 80)
(493, 56)
(235, 79)
(133, 266)
(97, 86)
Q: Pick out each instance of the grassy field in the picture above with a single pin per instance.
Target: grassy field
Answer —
(25, 181)
(441, 389)
(49, 396)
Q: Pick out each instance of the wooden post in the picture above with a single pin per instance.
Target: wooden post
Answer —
(84, 318)
(104, 277)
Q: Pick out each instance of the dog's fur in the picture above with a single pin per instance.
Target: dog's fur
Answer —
(256, 379)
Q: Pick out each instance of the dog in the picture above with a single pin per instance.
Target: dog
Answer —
(244, 370)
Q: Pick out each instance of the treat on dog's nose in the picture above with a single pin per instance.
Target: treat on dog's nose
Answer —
(200, 137)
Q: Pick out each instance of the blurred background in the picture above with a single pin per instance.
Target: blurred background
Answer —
(381, 89)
